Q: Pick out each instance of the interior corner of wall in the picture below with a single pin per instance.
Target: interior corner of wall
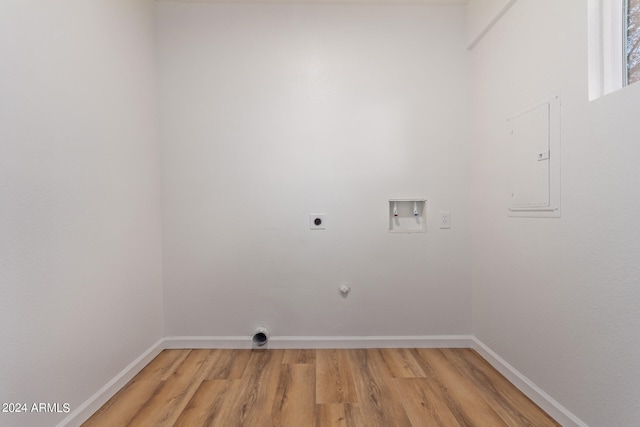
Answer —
(480, 21)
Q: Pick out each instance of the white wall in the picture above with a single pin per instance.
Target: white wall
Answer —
(80, 272)
(559, 298)
(272, 112)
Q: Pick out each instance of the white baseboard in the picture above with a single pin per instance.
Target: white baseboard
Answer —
(89, 407)
(185, 342)
(284, 342)
(525, 385)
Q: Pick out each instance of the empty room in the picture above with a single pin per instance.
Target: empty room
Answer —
(319, 213)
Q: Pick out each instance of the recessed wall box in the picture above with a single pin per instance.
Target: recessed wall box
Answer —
(534, 160)
(407, 215)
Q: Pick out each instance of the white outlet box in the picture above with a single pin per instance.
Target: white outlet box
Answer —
(317, 222)
(445, 220)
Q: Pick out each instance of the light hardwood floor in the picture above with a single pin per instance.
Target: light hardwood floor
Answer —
(323, 388)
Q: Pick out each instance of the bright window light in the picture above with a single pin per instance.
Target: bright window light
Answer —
(632, 41)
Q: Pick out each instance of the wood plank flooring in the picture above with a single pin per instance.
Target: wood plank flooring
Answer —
(321, 388)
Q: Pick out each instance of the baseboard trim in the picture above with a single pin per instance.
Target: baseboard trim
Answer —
(296, 342)
(525, 385)
(91, 405)
(186, 342)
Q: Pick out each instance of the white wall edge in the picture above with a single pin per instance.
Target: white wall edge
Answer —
(296, 342)
(490, 25)
(91, 405)
(525, 385)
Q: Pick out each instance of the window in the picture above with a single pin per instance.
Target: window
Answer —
(632, 40)
(614, 51)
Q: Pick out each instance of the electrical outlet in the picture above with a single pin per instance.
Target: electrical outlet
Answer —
(316, 222)
(445, 219)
